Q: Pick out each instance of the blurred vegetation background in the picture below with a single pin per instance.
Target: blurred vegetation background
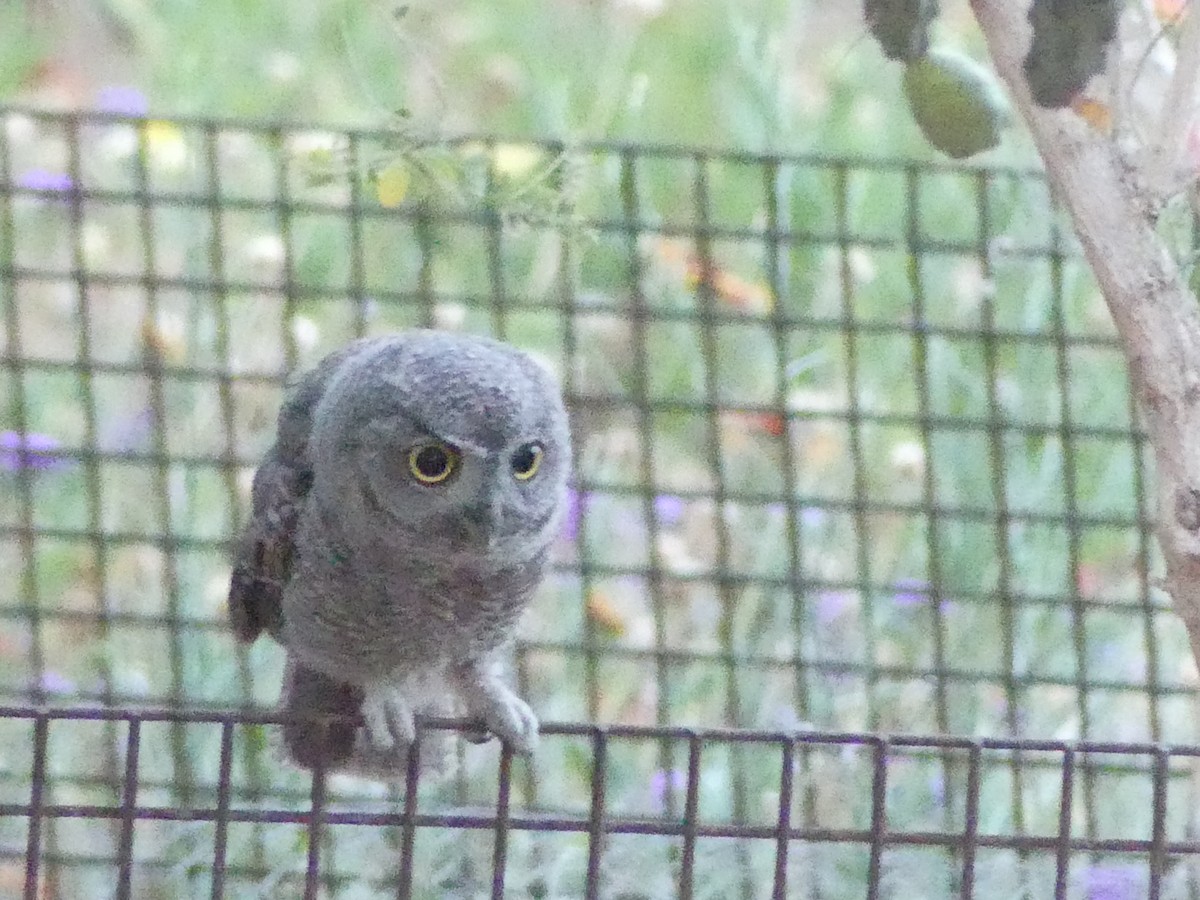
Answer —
(777, 75)
(914, 350)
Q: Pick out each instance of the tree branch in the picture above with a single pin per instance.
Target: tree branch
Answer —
(1156, 316)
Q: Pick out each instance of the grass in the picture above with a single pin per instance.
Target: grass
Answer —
(920, 364)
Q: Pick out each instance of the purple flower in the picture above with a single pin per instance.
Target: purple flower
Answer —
(664, 784)
(831, 605)
(776, 512)
(45, 181)
(669, 509)
(576, 503)
(123, 100)
(1114, 881)
(910, 592)
(128, 432)
(917, 592)
(937, 788)
(813, 516)
(52, 682)
(30, 451)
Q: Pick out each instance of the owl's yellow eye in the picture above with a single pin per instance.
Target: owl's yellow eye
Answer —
(432, 463)
(527, 460)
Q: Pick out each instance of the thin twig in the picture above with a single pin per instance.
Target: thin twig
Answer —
(1178, 112)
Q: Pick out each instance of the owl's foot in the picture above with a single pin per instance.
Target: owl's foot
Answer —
(504, 713)
(388, 718)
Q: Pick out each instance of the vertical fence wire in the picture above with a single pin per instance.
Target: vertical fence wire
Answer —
(164, 490)
(37, 800)
(933, 524)
(864, 573)
(87, 395)
(998, 467)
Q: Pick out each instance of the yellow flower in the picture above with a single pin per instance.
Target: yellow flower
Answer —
(391, 184)
(165, 144)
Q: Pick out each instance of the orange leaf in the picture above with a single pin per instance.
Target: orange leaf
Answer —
(1095, 113)
(604, 615)
(765, 422)
(730, 288)
(726, 286)
(1170, 10)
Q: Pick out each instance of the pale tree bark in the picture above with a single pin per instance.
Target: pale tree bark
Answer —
(1113, 208)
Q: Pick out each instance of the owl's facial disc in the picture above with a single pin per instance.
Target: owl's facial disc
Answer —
(479, 492)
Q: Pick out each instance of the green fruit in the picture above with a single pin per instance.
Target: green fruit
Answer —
(957, 103)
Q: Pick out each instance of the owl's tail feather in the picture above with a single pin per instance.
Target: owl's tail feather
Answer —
(307, 695)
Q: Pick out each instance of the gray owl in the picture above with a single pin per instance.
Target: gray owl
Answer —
(401, 522)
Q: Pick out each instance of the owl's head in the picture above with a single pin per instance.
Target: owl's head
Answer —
(443, 444)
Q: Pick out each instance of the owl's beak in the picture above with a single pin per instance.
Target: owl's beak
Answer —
(483, 521)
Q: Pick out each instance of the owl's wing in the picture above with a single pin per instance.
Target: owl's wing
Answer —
(264, 556)
(263, 563)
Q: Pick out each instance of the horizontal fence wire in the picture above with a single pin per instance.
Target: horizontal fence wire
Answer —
(873, 836)
(856, 455)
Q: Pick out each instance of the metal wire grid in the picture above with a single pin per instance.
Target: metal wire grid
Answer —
(92, 267)
(977, 855)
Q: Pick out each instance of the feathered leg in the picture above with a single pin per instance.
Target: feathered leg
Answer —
(307, 693)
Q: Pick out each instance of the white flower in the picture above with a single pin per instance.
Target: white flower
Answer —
(677, 556)
(306, 332)
(96, 244)
(118, 142)
(20, 128)
(908, 459)
(862, 265)
(282, 66)
(648, 9)
(307, 143)
(266, 249)
(449, 316)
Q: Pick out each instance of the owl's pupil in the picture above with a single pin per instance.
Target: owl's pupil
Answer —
(526, 459)
(432, 462)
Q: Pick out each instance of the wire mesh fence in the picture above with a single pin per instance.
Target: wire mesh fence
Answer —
(855, 454)
(859, 836)
(862, 838)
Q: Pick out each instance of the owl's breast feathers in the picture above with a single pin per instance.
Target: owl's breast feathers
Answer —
(403, 612)
(485, 602)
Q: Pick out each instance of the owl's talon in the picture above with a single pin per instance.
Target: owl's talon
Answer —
(504, 713)
(388, 718)
(477, 735)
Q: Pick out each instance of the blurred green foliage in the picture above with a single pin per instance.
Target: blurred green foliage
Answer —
(966, 490)
(762, 75)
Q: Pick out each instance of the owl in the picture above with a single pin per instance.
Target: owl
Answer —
(401, 523)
